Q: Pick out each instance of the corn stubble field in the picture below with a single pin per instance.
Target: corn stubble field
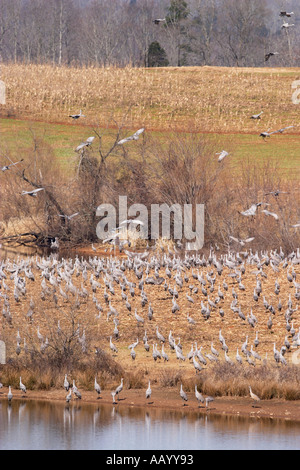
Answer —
(68, 297)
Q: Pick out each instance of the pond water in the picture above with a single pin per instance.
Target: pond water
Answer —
(42, 425)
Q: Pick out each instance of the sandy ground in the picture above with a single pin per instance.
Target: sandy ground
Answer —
(169, 399)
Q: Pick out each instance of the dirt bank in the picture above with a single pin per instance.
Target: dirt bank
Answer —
(169, 399)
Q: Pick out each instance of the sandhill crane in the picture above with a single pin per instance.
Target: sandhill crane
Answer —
(69, 396)
(183, 395)
(113, 394)
(135, 136)
(76, 391)
(199, 396)
(238, 357)
(272, 214)
(148, 391)
(242, 242)
(253, 396)
(286, 13)
(270, 54)
(196, 364)
(286, 25)
(222, 155)
(32, 193)
(208, 400)
(139, 319)
(276, 193)
(160, 337)
(119, 388)
(77, 116)
(7, 167)
(164, 354)
(112, 346)
(9, 395)
(97, 387)
(68, 217)
(86, 143)
(251, 211)
(22, 386)
(159, 20)
(133, 354)
(66, 383)
(257, 116)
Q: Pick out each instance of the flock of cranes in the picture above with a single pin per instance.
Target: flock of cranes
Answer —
(185, 291)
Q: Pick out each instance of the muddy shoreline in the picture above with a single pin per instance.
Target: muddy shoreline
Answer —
(169, 399)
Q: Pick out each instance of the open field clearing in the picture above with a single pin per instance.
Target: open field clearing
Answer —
(281, 150)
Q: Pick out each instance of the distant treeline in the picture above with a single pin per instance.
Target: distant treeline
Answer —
(121, 32)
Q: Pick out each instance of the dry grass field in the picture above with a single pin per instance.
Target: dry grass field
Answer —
(199, 99)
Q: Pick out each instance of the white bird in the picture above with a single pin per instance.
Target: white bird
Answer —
(32, 193)
(148, 391)
(87, 143)
(119, 389)
(76, 391)
(222, 155)
(208, 400)
(135, 136)
(97, 387)
(77, 116)
(113, 394)
(183, 395)
(7, 167)
(287, 25)
(242, 242)
(9, 395)
(272, 214)
(68, 217)
(286, 13)
(251, 211)
(270, 54)
(69, 396)
(253, 396)
(66, 383)
(112, 346)
(257, 116)
(22, 386)
(132, 221)
(159, 20)
(199, 396)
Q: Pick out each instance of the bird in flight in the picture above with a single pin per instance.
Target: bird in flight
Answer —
(77, 116)
(252, 210)
(68, 217)
(287, 25)
(257, 116)
(222, 155)
(265, 211)
(287, 14)
(32, 193)
(7, 167)
(159, 20)
(276, 193)
(242, 242)
(280, 131)
(87, 143)
(270, 54)
(135, 136)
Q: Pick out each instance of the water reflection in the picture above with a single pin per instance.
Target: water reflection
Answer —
(45, 425)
